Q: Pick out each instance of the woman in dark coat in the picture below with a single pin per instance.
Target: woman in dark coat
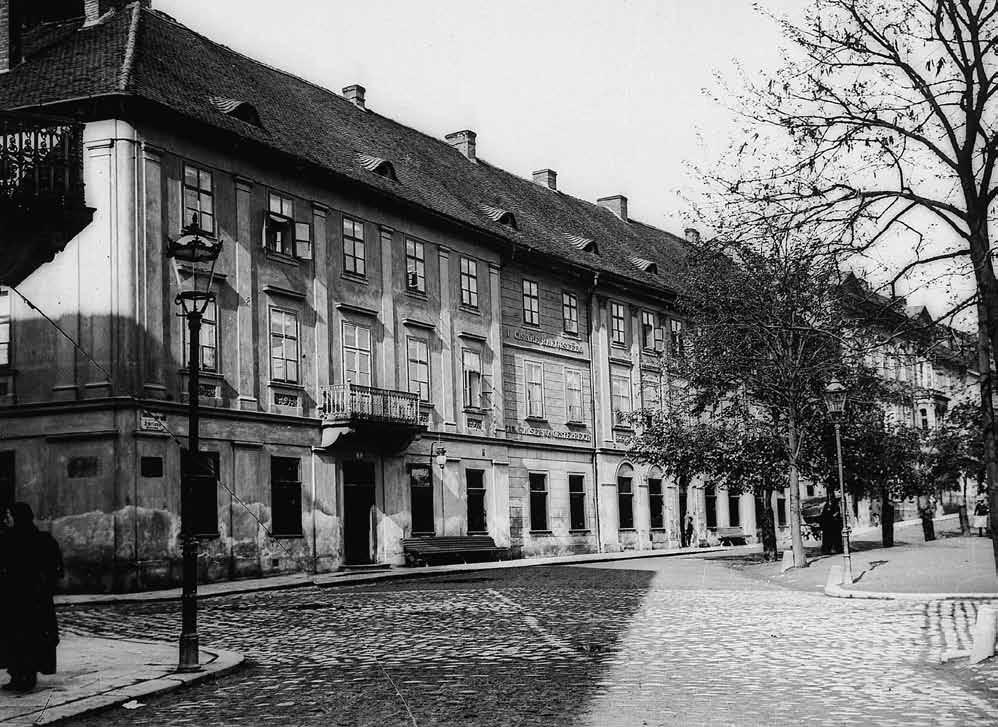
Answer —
(31, 567)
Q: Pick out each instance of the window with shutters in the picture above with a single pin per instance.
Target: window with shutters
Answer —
(647, 330)
(469, 282)
(472, 363)
(356, 354)
(534, 374)
(656, 504)
(538, 502)
(531, 303)
(570, 312)
(625, 503)
(284, 353)
(279, 227)
(199, 199)
(475, 480)
(573, 395)
(620, 396)
(659, 337)
(415, 266)
(577, 502)
(618, 325)
(354, 249)
(208, 349)
(419, 367)
(285, 497)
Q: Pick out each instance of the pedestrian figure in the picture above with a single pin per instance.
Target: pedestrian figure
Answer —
(688, 531)
(828, 535)
(927, 511)
(30, 566)
(981, 513)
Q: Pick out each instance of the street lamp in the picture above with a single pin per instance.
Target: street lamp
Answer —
(835, 400)
(195, 256)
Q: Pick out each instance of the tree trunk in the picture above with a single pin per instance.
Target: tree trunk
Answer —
(986, 345)
(796, 541)
(964, 513)
(767, 526)
(886, 519)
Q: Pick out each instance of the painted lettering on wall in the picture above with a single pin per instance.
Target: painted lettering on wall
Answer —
(549, 433)
(537, 339)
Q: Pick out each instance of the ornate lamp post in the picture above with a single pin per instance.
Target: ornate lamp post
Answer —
(835, 400)
(194, 256)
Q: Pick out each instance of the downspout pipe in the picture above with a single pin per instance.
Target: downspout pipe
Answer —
(592, 405)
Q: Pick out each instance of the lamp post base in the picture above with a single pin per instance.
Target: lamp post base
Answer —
(846, 558)
(189, 655)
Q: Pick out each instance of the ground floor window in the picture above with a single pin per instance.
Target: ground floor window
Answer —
(734, 511)
(656, 503)
(421, 496)
(285, 496)
(625, 503)
(538, 501)
(476, 501)
(710, 502)
(781, 509)
(202, 470)
(6, 478)
(577, 501)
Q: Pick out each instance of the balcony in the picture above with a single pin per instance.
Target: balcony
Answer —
(41, 191)
(365, 418)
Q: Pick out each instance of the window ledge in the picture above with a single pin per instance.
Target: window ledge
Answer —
(538, 420)
(286, 536)
(541, 532)
(473, 310)
(624, 427)
(286, 385)
(657, 530)
(581, 531)
(535, 326)
(202, 374)
(576, 423)
(420, 294)
(355, 278)
(424, 535)
(474, 410)
(569, 334)
(282, 257)
(627, 530)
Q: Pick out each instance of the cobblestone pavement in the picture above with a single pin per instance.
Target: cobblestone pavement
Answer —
(652, 642)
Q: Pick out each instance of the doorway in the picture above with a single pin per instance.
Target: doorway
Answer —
(358, 503)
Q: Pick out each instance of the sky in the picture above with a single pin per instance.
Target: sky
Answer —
(608, 93)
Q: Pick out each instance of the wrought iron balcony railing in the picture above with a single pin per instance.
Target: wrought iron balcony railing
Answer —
(41, 160)
(345, 402)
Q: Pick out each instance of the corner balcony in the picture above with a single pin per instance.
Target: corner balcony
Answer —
(41, 191)
(368, 419)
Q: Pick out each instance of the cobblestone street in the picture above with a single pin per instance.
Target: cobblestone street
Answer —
(649, 642)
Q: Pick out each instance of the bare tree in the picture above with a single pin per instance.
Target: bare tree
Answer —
(881, 128)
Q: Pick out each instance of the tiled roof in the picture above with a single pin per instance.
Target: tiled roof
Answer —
(143, 53)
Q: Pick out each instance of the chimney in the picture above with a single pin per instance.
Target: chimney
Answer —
(546, 178)
(94, 10)
(464, 142)
(355, 95)
(692, 235)
(616, 204)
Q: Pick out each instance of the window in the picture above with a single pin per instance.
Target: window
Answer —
(151, 466)
(303, 240)
(354, 255)
(577, 501)
(710, 499)
(5, 326)
(283, 346)
(421, 495)
(809, 489)
(78, 467)
(923, 415)
(208, 349)
(285, 497)
(570, 312)
(531, 303)
(625, 503)
(781, 509)
(620, 394)
(659, 338)
(415, 266)
(538, 501)
(278, 230)
(199, 200)
(356, 354)
(676, 337)
(734, 509)
(573, 395)
(647, 330)
(534, 373)
(202, 472)
(419, 368)
(618, 333)
(656, 503)
(7, 478)
(475, 480)
(472, 362)
(469, 282)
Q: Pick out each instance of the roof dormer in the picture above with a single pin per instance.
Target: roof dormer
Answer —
(647, 266)
(236, 108)
(581, 243)
(381, 167)
(497, 214)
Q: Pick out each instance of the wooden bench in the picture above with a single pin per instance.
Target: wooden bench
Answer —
(731, 536)
(450, 548)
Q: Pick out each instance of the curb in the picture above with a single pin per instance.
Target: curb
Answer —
(834, 589)
(221, 662)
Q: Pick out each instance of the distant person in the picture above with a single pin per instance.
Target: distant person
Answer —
(688, 532)
(829, 537)
(927, 511)
(30, 567)
(981, 513)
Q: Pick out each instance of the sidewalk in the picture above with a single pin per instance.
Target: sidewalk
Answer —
(96, 674)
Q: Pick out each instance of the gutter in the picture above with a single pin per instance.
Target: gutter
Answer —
(591, 293)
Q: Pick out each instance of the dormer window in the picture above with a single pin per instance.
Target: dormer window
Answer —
(581, 243)
(503, 217)
(381, 167)
(237, 109)
(646, 265)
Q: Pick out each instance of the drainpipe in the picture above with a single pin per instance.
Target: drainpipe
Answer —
(592, 406)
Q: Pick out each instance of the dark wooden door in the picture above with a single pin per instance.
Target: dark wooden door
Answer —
(358, 499)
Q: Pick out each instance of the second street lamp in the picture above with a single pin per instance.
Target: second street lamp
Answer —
(194, 259)
(835, 400)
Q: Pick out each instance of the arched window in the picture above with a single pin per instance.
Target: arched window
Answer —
(656, 499)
